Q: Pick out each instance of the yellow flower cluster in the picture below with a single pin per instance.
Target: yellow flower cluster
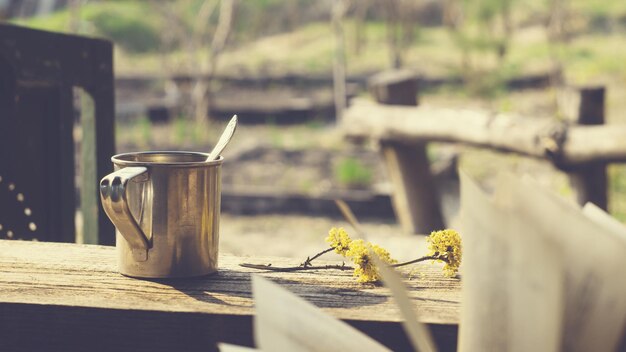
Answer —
(359, 252)
(446, 245)
(339, 240)
(364, 268)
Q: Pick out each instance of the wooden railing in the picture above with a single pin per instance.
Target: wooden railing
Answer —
(581, 147)
(70, 297)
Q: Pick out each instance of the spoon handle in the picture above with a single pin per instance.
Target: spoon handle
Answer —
(224, 139)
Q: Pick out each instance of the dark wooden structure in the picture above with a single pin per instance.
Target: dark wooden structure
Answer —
(591, 181)
(38, 71)
(415, 197)
(69, 297)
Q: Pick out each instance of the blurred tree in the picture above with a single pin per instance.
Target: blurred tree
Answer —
(74, 24)
(478, 27)
(401, 24)
(393, 23)
(202, 90)
(361, 8)
(194, 25)
(558, 35)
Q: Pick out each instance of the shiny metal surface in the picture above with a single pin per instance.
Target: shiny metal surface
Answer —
(114, 196)
(167, 217)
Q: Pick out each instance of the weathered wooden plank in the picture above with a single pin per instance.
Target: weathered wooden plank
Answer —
(74, 296)
(535, 137)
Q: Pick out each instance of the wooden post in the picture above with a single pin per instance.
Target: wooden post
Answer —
(415, 197)
(590, 181)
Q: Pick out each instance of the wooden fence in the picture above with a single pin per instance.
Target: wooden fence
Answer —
(581, 147)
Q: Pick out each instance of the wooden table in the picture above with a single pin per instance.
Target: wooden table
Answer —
(61, 297)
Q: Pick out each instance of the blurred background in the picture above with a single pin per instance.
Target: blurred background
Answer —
(182, 68)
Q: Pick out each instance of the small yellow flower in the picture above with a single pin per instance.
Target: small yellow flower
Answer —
(339, 240)
(381, 253)
(364, 268)
(446, 245)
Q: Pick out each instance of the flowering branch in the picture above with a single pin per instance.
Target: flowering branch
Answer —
(444, 246)
(306, 265)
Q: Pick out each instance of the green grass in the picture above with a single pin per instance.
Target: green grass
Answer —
(351, 172)
(180, 130)
(133, 25)
(617, 191)
(595, 56)
(138, 131)
(187, 132)
(600, 8)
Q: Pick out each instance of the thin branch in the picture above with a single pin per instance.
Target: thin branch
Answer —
(269, 267)
(308, 260)
(343, 266)
(432, 257)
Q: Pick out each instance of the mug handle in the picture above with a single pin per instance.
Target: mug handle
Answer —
(115, 204)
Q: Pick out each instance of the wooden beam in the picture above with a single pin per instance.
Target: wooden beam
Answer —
(59, 297)
(566, 145)
(415, 198)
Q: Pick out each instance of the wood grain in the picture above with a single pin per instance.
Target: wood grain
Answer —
(68, 296)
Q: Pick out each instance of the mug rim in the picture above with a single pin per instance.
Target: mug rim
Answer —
(120, 159)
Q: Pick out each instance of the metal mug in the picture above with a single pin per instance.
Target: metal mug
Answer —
(166, 208)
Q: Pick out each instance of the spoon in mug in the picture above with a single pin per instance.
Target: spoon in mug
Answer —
(224, 139)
